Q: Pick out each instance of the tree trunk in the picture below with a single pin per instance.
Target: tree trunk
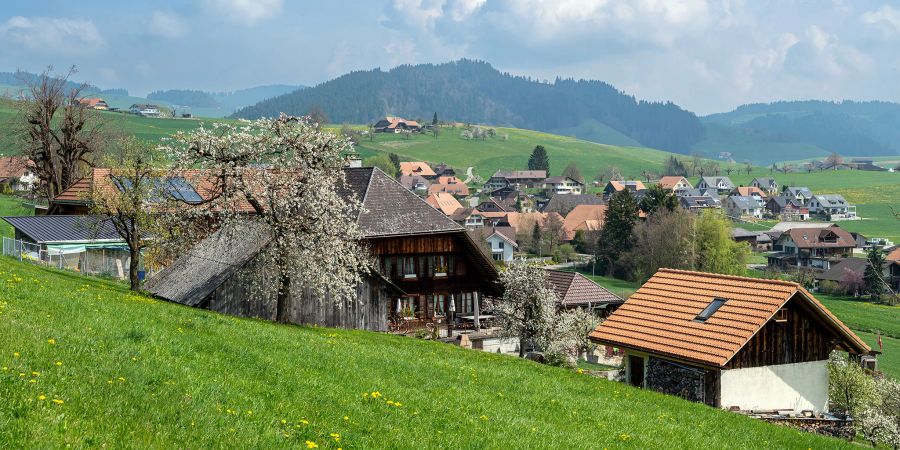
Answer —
(522, 340)
(283, 303)
(133, 270)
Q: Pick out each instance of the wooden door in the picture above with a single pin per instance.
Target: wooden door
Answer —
(636, 370)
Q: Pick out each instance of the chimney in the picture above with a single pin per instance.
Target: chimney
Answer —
(354, 161)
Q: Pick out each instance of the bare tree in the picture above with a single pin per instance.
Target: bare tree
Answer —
(317, 116)
(58, 134)
(314, 241)
(833, 160)
(127, 203)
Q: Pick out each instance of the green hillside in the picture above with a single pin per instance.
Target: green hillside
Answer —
(87, 364)
(755, 147)
(496, 153)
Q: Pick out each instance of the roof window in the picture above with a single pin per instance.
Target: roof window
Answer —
(709, 310)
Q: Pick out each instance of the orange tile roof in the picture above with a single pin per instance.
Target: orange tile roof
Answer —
(659, 317)
(748, 191)
(13, 166)
(455, 188)
(584, 217)
(523, 222)
(443, 202)
(893, 255)
(416, 168)
(670, 181)
(619, 185)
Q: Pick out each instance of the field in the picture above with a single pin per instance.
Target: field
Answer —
(87, 364)
(11, 206)
(496, 153)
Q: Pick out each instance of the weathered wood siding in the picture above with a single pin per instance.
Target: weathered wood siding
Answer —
(802, 338)
(368, 311)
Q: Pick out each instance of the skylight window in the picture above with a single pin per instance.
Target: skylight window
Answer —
(710, 309)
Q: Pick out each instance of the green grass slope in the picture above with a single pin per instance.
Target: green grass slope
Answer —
(758, 149)
(509, 154)
(87, 364)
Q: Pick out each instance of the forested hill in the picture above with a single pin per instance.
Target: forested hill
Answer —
(228, 100)
(848, 127)
(473, 91)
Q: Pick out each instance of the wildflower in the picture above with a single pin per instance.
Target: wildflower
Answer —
(15, 354)
(42, 397)
(398, 404)
(59, 363)
(365, 395)
(283, 421)
(304, 421)
(311, 444)
(336, 437)
(624, 437)
(580, 370)
(58, 401)
(32, 380)
(484, 417)
(51, 341)
(346, 418)
(376, 394)
(249, 412)
(122, 379)
(35, 374)
(390, 402)
(5, 368)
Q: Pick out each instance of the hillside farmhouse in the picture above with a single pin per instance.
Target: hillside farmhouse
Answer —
(517, 179)
(729, 342)
(422, 169)
(424, 261)
(501, 240)
(444, 202)
(800, 193)
(93, 103)
(144, 109)
(563, 186)
(15, 172)
(396, 125)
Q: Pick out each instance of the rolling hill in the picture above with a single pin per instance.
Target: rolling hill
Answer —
(475, 92)
(85, 363)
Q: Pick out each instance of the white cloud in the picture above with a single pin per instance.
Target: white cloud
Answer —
(168, 25)
(52, 35)
(247, 12)
(461, 10)
(885, 15)
(420, 14)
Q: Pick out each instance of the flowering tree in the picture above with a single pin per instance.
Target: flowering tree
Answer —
(850, 389)
(879, 422)
(285, 175)
(528, 311)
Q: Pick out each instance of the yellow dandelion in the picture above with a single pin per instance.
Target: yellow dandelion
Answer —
(249, 412)
(32, 380)
(58, 401)
(15, 354)
(35, 374)
(5, 368)
(398, 404)
(122, 379)
(42, 397)
(283, 421)
(336, 436)
(108, 381)
(390, 402)
(59, 363)
(580, 370)
(304, 421)
(51, 341)
(483, 417)
(346, 418)
(311, 444)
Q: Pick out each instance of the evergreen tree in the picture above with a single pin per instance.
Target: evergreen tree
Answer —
(658, 197)
(874, 271)
(536, 239)
(615, 237)
(395, 160)
(434, 120)
(539, 159)
(572, 172)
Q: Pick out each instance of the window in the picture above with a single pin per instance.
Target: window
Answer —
(500, 245)
(439, 301)
(408, 308)
(409, 267)
(709, 310)
(498, 256)
(781, 315)
(440, 265)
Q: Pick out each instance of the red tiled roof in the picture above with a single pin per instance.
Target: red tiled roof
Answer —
(444, 202)
(13, 166)
(814, 237)
(416, 168)
(669, 182)
(584, 217)
(659, 317)
(748, 191)
(575, 289)
(454, 188)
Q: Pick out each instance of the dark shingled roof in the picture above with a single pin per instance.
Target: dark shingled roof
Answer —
(838, 270)
(194, 275)
(573, 289)
(564, 203)
(390, 208)
(57, 229)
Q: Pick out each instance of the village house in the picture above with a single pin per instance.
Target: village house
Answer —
(751, 191)
(518, 179)
(721, 185)
(562, 204)
(698, 203)
(766, 184)
(892, 259)
(16, 172)
(468, 217)
(396, 125)
(444, 202)
(93, 103)
(507, 198)
(614, 186)
(501, 240)
(574, 290)
(450, 185)
(815, 248)
(584, 218)
(424, 261)
(832, 206)
(443, 170)
(144, 109)
(730, 342)
(415, 183)
(675, 183)
(787, 208)
(562, 186)
(841, 270)
(800, 193)
(491, 205)
(741, 207)
(422, 169)
(757, 240)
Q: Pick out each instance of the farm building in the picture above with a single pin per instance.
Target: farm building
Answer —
(574, 290)
(396, 125)
(424, 261)
(15, 172)
(730, 342)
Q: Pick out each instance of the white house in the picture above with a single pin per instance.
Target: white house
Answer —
(722, 185)
(832, 205)
(800, 193)
(743, 207)
(501, 240)
(766, 184)
(563, 185)
(712, 341)
(144, 109)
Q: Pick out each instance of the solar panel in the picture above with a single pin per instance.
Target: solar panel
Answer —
(180, 189)
(163, 188)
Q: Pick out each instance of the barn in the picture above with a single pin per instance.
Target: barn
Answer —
(730, 342)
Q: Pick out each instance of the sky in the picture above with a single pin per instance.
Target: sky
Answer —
(706, 56)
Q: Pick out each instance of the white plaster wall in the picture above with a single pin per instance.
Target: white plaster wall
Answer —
(797, 386)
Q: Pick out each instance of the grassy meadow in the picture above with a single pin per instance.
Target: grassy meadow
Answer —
(11, 205)
(85, 363)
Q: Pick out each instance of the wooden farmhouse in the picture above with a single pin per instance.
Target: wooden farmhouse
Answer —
(730, 342)
(424, 261)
